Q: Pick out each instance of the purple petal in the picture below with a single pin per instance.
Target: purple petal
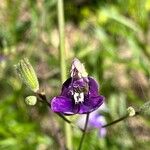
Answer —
(101, 121)
(80, 82)
(102, 132)
(97, 120)
(63, 105)
(65, 87)
(91, 104)
(93, 87)
(93, 120)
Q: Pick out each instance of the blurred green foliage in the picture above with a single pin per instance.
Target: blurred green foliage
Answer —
(112, 39)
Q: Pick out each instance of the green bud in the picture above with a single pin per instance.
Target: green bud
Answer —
(27, 74)
(131, 111)
(145, 109)
(31, 100)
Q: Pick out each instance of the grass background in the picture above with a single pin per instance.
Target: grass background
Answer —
(111, 37)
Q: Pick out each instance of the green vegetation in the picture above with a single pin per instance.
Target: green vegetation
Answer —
(111, 37)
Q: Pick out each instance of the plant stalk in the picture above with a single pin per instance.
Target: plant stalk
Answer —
(84, 132)
(61, 39)
(60, 11)
(118, 120)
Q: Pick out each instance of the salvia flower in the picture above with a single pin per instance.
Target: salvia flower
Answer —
(79, 93)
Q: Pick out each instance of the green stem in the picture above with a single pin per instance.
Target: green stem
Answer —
(61, 39)
(42, 98)
(60, 9)
(118, 120)
(84, 131)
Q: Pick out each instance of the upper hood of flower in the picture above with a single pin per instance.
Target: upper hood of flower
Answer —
(78, 69)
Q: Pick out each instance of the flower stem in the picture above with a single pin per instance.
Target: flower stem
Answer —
(60, 11)
(118, 120)
(42, 98)
(84, 131)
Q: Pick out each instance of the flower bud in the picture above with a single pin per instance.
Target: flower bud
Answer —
(27, 74)
(131, 111)
(31, 100)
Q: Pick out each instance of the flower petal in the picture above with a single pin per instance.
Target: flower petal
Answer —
(63, 105)
(65, 87)
(80, 82)
(102, 132)
(91, 104)
(93, 87)
(96, 120)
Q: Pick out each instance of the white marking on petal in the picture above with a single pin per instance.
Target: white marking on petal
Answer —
(78, 97)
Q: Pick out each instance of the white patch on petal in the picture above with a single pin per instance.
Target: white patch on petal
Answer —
(78, 97)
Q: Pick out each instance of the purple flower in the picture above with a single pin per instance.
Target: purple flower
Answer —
(96, 120)
(79, 93)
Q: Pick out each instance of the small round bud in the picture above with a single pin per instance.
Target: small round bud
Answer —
(31, 100)
(131, 111)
